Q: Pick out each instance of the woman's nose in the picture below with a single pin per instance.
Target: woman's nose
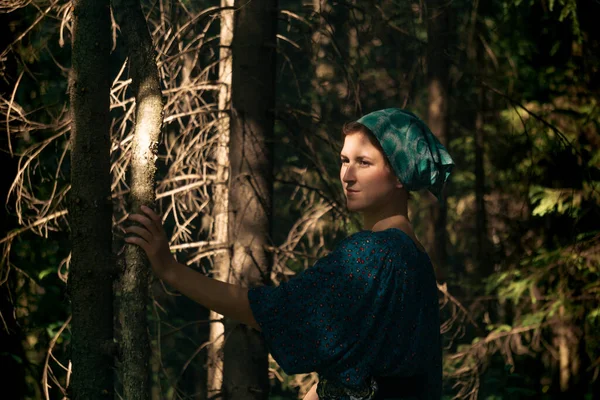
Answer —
(348, 174)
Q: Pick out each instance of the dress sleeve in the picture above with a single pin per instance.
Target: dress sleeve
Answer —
(311, 322)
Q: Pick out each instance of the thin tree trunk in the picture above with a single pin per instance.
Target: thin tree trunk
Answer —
(12, 355)
(11, 335)
(476, 58)
(571, 383)
(135, 343)
(323, 71)
(483, 262)
(353, 44)
(251, 186)
(221, 199)
(90, 208)
(437, 87)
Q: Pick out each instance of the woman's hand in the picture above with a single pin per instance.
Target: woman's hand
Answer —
(151, 237)
(224, 298)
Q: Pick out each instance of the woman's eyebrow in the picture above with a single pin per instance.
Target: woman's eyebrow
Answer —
(358, 157)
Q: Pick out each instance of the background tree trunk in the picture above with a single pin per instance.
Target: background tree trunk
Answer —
(11, 335)
(251, 186)
(476, 55)
(12, 354)
(221, 199)
(90, 209)
(484, 264)
(571, 382)
(323, 71)
(437, 117)
(135, 343)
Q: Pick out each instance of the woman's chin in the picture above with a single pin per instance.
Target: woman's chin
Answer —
(352, 206)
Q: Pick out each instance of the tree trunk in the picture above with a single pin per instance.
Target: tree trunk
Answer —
(221, 199)
(12, 355)
(571, 383)
(251, 186)
(323, 70)
(483, 266)
(483, 262)
(90, 209)
(11, 335)
(437, 87)
(135, 343)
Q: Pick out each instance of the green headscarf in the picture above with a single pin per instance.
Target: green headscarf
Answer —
(419, 160)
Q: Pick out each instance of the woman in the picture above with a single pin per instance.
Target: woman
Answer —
(366, 316)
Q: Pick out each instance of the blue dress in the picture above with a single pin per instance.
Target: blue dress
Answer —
(367, 312)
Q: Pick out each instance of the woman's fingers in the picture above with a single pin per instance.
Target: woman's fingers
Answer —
(146, 222)
(154, 216)
(138, 241)
(155, 219)
(138, 230)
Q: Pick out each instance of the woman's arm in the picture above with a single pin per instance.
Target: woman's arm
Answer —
(221, 297)
(224, 298)
(312, 393)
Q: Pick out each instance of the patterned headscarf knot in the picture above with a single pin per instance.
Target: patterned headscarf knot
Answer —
(418, 158)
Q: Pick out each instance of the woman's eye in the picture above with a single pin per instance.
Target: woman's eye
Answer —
(361, 163)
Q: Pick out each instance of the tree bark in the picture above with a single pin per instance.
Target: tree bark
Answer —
(484, 265)
(11, 335)
(221, 199)
(571, 382)
(145, 83)
(475, 53)
(251, 186)
(12, 355)
(90, 209)
(437, 87)
(323, 70)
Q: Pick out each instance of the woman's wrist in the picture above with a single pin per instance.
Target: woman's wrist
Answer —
(224, 298)
(170, 271)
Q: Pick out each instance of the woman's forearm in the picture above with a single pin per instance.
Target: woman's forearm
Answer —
(312, 393)
(224, 298)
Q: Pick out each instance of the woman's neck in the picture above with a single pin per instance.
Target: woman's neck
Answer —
(394, 221)
(391, 213)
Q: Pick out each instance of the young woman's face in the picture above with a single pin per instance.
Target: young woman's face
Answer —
(364, 169)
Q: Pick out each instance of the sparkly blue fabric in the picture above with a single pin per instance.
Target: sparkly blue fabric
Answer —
(367, 309)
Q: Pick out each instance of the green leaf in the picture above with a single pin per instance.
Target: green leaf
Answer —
(555, 48)
(15, 357)
(46, 272)
(533, 319)
(594, 314)
(559, 201)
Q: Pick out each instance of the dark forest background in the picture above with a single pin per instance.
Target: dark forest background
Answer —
(511, 87)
